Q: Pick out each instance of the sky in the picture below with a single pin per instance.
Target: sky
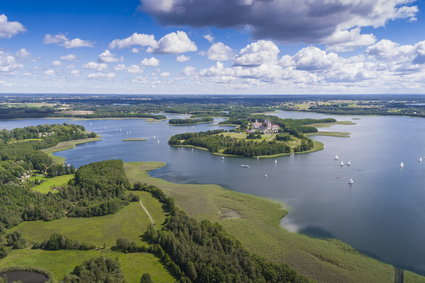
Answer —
(212, 46)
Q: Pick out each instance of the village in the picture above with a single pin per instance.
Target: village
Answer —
(265, 127)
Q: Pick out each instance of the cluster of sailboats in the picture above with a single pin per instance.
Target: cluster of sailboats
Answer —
(350, 181)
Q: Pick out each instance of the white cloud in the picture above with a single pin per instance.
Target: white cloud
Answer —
(209, 37)
(132, 69)
(101, 76)
(220, 52)
(134, 50)
(257, 53)
(75, 72)
(175, 42)
(95, 66)
(136, 39)
(62, 40)
(348, 40)
(189, 71)
(312, 58)
(107, 57)
(152, 62)
(22, 53)
(5, 83)
(8, 63)
(9, 29)
(182, 58)
(165, 74)
(50, 72)
(69, 57)
(56, 63)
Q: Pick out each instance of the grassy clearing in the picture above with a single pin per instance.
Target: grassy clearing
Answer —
(65, 146)
(331, 134)
(130, 222)
(50, 183)
(258, 229)
(61, 263)
(135, 139)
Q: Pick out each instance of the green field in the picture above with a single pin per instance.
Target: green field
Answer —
(255, 222)
(50, 183)
(130, 222)
(327, 125)
(331, 134)
(61, 263)
(65, 146)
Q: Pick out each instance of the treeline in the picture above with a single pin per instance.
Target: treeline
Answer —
(100, 269)
(60, 242)
(117, 115)
(190, 121)
(25, 112)
(203, 252)
(98, 189)
(20, 149)
(250, 149)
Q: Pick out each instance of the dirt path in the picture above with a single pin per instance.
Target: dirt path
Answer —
(147, 212)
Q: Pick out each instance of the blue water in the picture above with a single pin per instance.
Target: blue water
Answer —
(381, 214)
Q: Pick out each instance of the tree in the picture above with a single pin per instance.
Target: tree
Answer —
(146, 278)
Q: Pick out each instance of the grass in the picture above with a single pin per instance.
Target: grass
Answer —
(65, 146)
(259, 230)
(331, 134)
(49, 183)
(134, 139)
(61, 263)
(327, 125)
(130, 222)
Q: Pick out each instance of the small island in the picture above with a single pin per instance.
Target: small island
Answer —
(256, 136)
(186, 122)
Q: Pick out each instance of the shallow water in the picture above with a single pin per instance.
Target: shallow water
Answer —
(381, 214)
(24, 276)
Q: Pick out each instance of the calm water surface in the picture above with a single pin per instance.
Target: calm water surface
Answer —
(381, 214)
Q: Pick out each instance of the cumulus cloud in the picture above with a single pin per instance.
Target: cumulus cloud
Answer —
(348, 40)
(69, 57)
(136, 39)
(96, 66)
(209, 37)
(257, 53)
(75, 72)
(132, 69)
(189, 71)
(151, 62)
(22, 53)
(182, 58)
(220, 52)
(107, 57)
(8, 63)
(61, 40)
(56, 63)
(165, 74)
(8, 28)
(101, 76)
(175, 42)
(50, 72)
(310, 21)
(313, 58)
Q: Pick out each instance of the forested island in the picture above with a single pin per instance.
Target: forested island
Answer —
(272, 136)
(185, 122)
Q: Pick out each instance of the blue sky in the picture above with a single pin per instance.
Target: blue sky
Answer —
(212, 46)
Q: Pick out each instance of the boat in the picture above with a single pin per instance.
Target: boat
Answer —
(336, 157)
(275, 161)
(222, 158)
(402, 164)
(245, 166)
(341, 164)
(420, 159)
(351, 181)
(349, 163)
(192, 149)
(154, 137)
(158, 141)
(265, 175)
(258, 157)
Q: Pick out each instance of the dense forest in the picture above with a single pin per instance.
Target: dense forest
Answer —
(203, 252)
(100, 269)
(190, 121)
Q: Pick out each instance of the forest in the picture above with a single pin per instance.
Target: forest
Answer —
(190, 121)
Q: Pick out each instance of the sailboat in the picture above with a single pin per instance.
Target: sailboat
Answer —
(349, 163)
(265, 175)
(222, 158)
(245, 166)
(402, 164)
(420, 159)
(341, 164)
(275, 161)
(351, 181)
(336, 157)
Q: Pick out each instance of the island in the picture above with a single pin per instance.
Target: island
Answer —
(256, 136)
(186, 122)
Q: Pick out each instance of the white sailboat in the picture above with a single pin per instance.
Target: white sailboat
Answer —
(275, 161)
(341, 164)
(420, 159)
(336, 157)
(222, 158)
(349, 163)
(245, 166)
(351, 181)
(265, 175)
(402, 164)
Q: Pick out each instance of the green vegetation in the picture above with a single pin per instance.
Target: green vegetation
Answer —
(50, 184)
(61, 263)
(184, 122)
(256, 223)
(96, 270)
(134, 139)
(331, 134)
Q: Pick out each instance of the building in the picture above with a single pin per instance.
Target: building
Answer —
(266, 127)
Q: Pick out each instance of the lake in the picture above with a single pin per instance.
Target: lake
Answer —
(382, 214)
(24, 276)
